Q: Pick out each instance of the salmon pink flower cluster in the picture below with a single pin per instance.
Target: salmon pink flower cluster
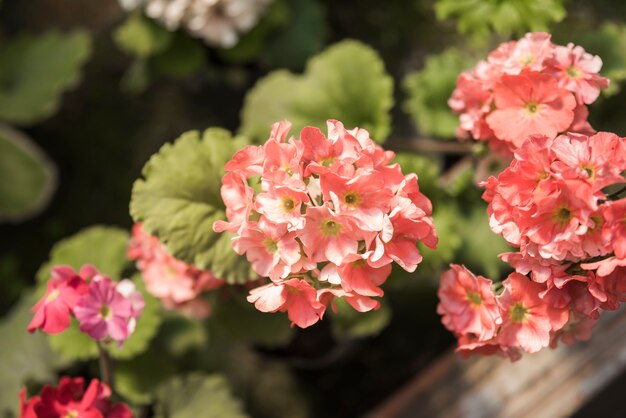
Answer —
(561, 203)
(105, 310)
(323, 217)
(176, 284)
(529, 86)
(71, 399)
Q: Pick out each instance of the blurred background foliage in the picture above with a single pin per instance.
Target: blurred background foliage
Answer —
(89, 91)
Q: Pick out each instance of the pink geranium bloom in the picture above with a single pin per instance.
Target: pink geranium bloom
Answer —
(577, 71)
(296, 297)
(614, 229)
(270, 248)
(237, 196)
(358, 277)
(468, 303)
(104, 312)
(530, 103)
(527, 320)
(282, 205)
(65, 288)
(358, 302)
(529, 53)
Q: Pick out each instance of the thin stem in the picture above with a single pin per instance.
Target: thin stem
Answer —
(106, 366)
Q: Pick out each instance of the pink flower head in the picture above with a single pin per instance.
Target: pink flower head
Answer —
(71, 399)
(527, 87)
(105, 312)
(530, 103)
(177, 284)
(468, 304)
(296, 297)
(329, 210)
(65, 288)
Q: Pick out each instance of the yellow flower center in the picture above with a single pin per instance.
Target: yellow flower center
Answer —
(532, 107)
(270, 245)
(105, 312)
(288, 204)
(474, 298)
(573, 72)
(330, 228)
(518, 313)
(53, 295)
(352, 199)
(562, 215)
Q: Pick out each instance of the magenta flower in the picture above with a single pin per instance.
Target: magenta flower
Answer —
(104, 312)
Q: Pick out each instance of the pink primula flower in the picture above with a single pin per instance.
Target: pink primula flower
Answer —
(530, 103)
(468, 304)
(104, 311)
(65, 288)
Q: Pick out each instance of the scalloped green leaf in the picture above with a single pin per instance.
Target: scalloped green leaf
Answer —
(505, 17)
(24, 356)
(142, 37)
(102, 246)
(75, 345)
(428, 170)
(35, 71)
(179, 199)
(28, 178)
(347, 82)
(138, 379)
(197, 395)
(429, 89)
(349, 323)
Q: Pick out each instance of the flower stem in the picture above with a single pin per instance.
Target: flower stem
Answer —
(106, 366)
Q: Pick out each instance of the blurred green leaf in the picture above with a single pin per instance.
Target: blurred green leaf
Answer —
(35, 71)
(102, 246)
(349, 323)
(24, 356)
(430, 88)
(347, 82)
(27, 177)
(447, 219)
(184, 57)
(237, 320)
(197, 395)
(304, 36)
(73, 345)
(137, 77)
(138, 379)
(179, 200)
(505, 17)
(481, 246)
(142, 37)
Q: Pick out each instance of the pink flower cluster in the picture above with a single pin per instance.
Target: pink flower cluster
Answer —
(105, 310)
(177, 284)
(322, 217)
(561, 203)
(70, 399)
(529, 86)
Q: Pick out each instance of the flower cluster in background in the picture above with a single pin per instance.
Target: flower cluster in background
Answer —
(218, 22)
(561, 203)
(105, 310)
(71, 399)
(323, 217)
(178, 285)
(526, 87)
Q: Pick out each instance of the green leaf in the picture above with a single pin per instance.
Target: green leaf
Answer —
(184, 57)
(347, 82)
(103, 247)
(35, 71)
(430, 88)
(197, 395)
(142, 37)
(27, 177)
(505, 17)
(237, 320)
(179, 200)
(481, 246)
(302, 38)
(24, 356)
(72, 344)
(138, 379)
(447, 219)
(349, 323)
